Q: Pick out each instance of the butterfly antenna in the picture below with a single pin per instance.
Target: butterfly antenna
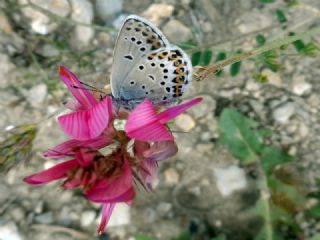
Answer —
(93, 89)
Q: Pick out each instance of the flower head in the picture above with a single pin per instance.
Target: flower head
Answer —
(109, 179)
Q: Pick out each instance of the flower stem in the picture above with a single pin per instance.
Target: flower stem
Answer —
(205, 72)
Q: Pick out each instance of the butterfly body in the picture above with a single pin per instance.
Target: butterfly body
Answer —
(146, 65)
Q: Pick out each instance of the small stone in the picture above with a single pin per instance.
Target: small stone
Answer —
(171, 176)
(48, 50)
(82, 11)
(273, 78)
(230, 179)
(37, 94)
(283, 113)
(120, 215)
(177, 32)
(44, 218)
(41, 23)
(5, 25)
(157, 11)
(5, 68)
(107, 10)
(17, 214)
(314, 100)
(251, 85)
(164, 208)
(10, 231)
(87, 218)
(300, 86)
(185, 122)
(303, 130)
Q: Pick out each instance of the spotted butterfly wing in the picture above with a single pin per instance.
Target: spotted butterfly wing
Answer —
(146, 65)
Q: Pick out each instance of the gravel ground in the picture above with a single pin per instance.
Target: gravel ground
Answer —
(202, 185)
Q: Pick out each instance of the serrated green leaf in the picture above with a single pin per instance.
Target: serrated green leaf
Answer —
(260, 39)
(281, 16)
(235, 68)
(272, 156)
(236, 131)
(267, 1)
(143, 237)
(195, 58)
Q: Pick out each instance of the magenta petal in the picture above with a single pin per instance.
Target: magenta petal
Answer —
(148, 172)
(118, 189)
(161, 150)
(84, 97)
(88, 124)
(74, 105)
(173, 112)
(85, 156)
(143, 124)
(107, 210)
(58, 171)
(68, 147)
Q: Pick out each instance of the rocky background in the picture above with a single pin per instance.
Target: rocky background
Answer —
(202, 188)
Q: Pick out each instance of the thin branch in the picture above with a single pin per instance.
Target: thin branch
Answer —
(205, 72)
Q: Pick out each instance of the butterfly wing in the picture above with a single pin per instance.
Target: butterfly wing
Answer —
(161, 75)
(137, 37)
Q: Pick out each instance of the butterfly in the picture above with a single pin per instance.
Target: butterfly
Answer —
(146, 65)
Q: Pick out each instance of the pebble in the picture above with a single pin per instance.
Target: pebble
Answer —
(164, 208)
(41, 23)
(273, 78)
(171, 176)
(37, 94)
(87, 218)
(107, 10)
(185, 122)
(230, 179)
(177, 32)
(5, 68)
(44, 218)
(48, 50)
(157, 11)
(18, 214)
(300, 86)
(82, 11)
(283, 113)
(9, 231)
(120, 215)
(5, 25)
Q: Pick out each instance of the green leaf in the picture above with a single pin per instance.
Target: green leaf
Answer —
(316, 237)
(220, 56)
(272, 156)
(270, 60)
(195, 58)
(235, 68)
(313, 212)
(207, 56)
(310, 49)
(260, 39)
(281, 16)
(267, 1)
(143, 237)
(184, 236)
(260, 78)
(236, 131)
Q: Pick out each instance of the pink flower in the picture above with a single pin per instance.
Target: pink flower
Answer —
(109, 179)
(104, 179)
(91, 116)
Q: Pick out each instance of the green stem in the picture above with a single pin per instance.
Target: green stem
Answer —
(265, 202)
(205, 72)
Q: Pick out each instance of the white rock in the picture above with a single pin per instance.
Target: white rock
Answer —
(37, 94)
(300, 86)
(87, 218)
(177, 31)
(283, 113)
(41, 23)
(157, 11)
(230, 179)
(82, 11)
(108, 9)
(171, 176)
(164, 208)
(303, 130)
(120, 215)
(185, 122)
(9, 231)
(273, 78)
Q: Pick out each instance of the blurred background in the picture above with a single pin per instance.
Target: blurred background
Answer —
(212, 189)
